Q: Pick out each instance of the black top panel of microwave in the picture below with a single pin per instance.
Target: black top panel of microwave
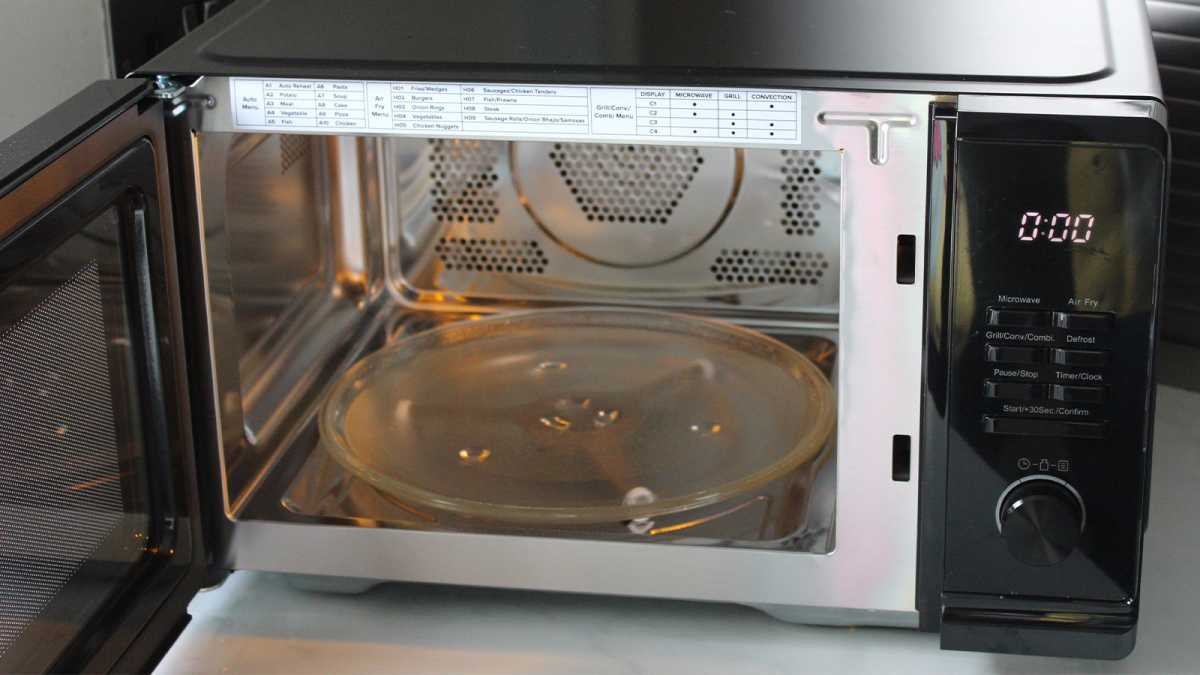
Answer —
(939, 40)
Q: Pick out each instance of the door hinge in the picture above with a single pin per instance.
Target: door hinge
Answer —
(167, 88)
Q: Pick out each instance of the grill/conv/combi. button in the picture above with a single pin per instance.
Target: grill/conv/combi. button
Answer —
(1086, 358)
(1018, 390)
(1017, 318)
(1097, 323)
(1076, 394)
(1007, 354)
(1024, 426)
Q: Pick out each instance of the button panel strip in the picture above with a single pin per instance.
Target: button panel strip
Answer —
(1020, 375)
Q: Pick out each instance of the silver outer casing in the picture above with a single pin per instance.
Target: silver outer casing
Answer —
(870, 576)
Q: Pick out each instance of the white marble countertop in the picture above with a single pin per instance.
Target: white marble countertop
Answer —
(257, 623)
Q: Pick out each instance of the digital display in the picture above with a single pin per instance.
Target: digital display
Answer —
(1056, 209)
(1073, 228)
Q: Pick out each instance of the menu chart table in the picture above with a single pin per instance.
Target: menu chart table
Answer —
(733, 116)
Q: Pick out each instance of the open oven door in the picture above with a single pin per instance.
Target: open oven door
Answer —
(100, 548)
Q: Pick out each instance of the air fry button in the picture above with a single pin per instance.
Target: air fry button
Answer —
(1096, 323)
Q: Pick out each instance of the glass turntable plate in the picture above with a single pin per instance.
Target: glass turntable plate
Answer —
(577, 415)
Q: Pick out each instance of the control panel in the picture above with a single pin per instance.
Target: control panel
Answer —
(1051, 334)
(1046, 373)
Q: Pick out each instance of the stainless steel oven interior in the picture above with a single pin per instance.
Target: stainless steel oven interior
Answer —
(468, 230)
(318, 250)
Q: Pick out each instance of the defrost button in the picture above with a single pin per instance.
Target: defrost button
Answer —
(1080, 358)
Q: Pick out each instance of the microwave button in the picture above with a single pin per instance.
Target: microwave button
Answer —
(1085, 358)
(1076, 394)
(1096, 323)
(1019, 390)
(1024, 426)
(1007, 354)
(1017, 318)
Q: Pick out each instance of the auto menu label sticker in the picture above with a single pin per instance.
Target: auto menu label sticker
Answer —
(587, 113)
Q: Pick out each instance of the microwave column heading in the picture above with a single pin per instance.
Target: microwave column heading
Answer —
(642, 114)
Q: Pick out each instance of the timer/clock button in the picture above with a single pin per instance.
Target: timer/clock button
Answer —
(1016, 390)
(1096, 323)
(1085, 358)
(1017, 318)
(1076, 394)
(1007, 354)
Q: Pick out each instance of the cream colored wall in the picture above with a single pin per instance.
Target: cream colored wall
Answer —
(49, 49)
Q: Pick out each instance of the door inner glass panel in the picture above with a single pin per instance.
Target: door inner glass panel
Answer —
(74, 516)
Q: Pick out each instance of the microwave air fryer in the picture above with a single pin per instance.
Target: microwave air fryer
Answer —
(955, 211)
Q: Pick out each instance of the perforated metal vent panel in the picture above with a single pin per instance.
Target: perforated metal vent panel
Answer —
(748, 266)
(626, 183)
(800, 191)
(292, 149)
(491, 255)
(671, 226)
(464, 180)
(60, 489)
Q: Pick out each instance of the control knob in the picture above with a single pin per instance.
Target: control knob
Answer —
(1041, 521)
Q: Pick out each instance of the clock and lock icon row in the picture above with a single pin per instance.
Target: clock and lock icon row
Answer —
(1044, 464)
